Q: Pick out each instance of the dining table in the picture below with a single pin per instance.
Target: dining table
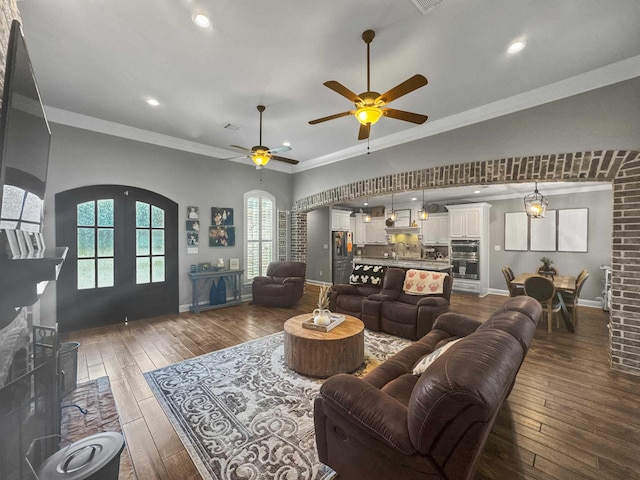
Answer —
(562, 283)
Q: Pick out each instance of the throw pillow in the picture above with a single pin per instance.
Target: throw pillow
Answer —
(427, 360)
(423, 282)
(367, 274)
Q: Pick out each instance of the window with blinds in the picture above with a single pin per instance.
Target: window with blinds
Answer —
(260, 223)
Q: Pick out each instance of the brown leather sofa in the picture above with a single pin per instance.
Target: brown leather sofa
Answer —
(402, 314)
(283, 285)
(394, 424)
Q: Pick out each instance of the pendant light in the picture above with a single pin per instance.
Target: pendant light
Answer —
(422, 213)
(366, 218)
(535, 204)
(394, 214)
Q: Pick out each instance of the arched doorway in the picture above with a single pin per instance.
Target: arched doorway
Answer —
(621, 167)
(123, 255)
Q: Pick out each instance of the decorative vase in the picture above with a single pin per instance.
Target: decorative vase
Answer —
(321, 316)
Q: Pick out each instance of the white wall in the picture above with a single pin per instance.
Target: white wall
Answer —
(80, 157)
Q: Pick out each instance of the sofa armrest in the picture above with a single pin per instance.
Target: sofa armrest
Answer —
(370, 409)
(293, 280)
(434, 301)
(456, 324)
(263, 280)
(344, 289)
(380, 297)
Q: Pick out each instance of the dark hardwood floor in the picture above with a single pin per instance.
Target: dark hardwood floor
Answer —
(569, 415)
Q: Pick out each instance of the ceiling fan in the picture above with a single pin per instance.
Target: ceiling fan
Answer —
(261, 154)
(369, 104)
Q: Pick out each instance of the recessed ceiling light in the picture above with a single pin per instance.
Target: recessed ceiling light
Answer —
(476, 191)
(286, 144)
(366, 203)
(153, 102)
(413, 199)
(201, 20)
(516, 46)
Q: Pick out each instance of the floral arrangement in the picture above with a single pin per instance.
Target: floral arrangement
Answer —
(323, 297)
(546, 261)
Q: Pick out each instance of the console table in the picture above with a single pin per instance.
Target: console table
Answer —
(201, 283)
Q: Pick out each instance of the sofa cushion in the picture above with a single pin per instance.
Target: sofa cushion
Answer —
(423, 282)
(367, 274)
(428, 359)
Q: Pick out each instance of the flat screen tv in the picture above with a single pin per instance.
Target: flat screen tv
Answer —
(24, 142)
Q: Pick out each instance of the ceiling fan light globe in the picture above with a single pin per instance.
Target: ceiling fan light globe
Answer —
(368, 115)
(260, 159)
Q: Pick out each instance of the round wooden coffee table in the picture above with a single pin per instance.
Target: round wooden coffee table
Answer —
(322, 354)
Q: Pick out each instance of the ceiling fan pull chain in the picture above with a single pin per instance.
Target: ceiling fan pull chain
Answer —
(368, 149)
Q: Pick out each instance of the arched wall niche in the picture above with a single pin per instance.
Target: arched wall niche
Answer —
(621, 167)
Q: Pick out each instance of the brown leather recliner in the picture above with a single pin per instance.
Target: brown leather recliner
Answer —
(398, 313)
(282, 286)
(393, 423)
(348, 299)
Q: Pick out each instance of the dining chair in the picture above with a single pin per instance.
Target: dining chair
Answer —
(514, 290)
(570, 299)
(543, 290)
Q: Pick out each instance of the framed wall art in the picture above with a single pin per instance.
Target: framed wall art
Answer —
(193, 213)
(573, 230)
(516, 231)
(221, 216)
(220, 236)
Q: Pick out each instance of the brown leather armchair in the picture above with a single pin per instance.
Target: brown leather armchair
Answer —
(393, 423)
(398, 313)
(282, 286)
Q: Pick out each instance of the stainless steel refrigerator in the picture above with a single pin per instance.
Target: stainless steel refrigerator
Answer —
(341, 256)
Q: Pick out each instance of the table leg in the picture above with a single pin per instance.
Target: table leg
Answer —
(550, 315)
(565, 314)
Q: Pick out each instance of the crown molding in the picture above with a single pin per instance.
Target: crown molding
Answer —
(85, 122)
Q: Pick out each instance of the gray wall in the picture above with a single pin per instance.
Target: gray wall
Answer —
(319, 236)
(600, 205)
(80, 157)
(607, 118)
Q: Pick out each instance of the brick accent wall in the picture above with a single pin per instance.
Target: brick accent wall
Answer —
(299, 236)
(622, 168)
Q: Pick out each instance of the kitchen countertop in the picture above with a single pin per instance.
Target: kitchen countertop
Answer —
(406, 262)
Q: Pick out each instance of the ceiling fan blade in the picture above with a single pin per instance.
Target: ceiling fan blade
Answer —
(406, 116)
(330, 117)
(280, 149)
(405, 87)
(237, 158)
(363, 133)
(286, 160)
(241, 148)
(342, 90)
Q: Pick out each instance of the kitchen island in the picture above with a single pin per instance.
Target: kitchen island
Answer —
(406, 262)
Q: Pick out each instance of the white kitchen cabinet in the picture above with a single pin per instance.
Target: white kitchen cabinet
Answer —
(471, 222)
(375, 231)
(359, 230)
(435, 229)
(466, 222)
(340, 220)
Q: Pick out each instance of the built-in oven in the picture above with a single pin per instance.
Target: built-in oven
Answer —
(465, 259)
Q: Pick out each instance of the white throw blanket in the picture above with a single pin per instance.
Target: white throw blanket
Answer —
(423, 282)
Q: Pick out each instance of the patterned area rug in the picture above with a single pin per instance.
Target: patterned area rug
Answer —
(243, 414)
